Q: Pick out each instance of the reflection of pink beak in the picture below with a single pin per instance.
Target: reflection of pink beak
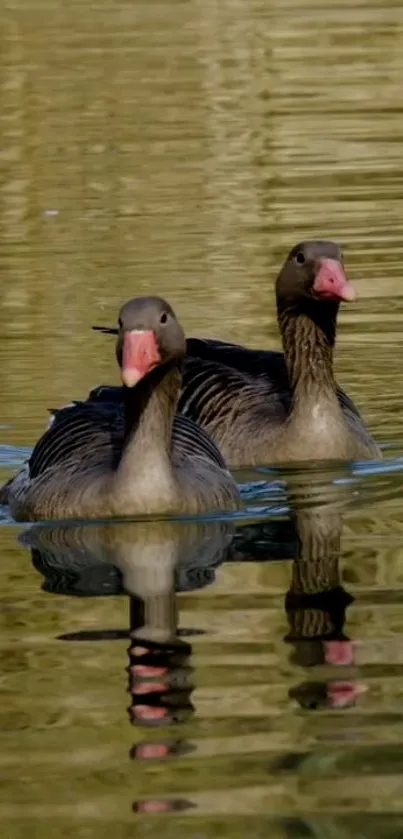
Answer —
(343, 694)
(339, 653)
(152, 751)
(331, 282)
(154, 805)
(140, 355)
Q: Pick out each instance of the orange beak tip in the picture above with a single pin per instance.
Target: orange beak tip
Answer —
(350, 294)
(130, 376)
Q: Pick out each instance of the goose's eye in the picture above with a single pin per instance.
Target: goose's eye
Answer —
(164, 317)
(300, 258)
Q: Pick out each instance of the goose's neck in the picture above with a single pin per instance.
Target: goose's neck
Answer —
(316, 567)
(149, 410)
(308, 335)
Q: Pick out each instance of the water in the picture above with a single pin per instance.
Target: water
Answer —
(182, 149)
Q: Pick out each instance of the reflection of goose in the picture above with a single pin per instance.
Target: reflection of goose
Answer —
(153, 559)
(94, 463)
(149, 557)
(99, 559)
(315, 604)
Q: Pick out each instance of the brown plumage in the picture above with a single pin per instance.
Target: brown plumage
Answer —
(263, 407)
(100, 462)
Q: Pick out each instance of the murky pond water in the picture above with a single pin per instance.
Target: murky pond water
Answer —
(207, 679)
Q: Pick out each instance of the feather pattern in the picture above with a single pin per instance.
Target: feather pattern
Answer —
(126, 451)
(103, 413)
(242, 397)
(262, 406)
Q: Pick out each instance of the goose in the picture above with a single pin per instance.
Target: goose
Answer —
(96, 462)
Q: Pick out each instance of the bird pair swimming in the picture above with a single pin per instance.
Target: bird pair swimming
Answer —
(160, 443)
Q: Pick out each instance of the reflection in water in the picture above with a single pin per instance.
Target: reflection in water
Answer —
(316, 602)
(152, 559)
(316, 605)
(160, 673)
(151, 562)
(181, 151)
(159, 670)
(93, 560)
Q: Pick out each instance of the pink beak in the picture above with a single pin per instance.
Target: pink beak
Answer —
(331, 282)
(140, 355)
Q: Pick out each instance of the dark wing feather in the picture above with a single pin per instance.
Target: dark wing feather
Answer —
(190, 439)
(224, 382)
(187, 437)
(346, 403)
(210, 391)
(95, 428)
(268, 365)
(79, 430)
(107, 394)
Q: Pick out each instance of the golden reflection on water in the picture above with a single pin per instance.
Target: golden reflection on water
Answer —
(182, 149)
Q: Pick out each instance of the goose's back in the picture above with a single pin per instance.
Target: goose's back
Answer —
(264, 367)
(79, 433)
(251, 390)
(70, 465)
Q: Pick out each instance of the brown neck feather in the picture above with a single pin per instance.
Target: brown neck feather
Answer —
(149, 411)
(308, 333)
